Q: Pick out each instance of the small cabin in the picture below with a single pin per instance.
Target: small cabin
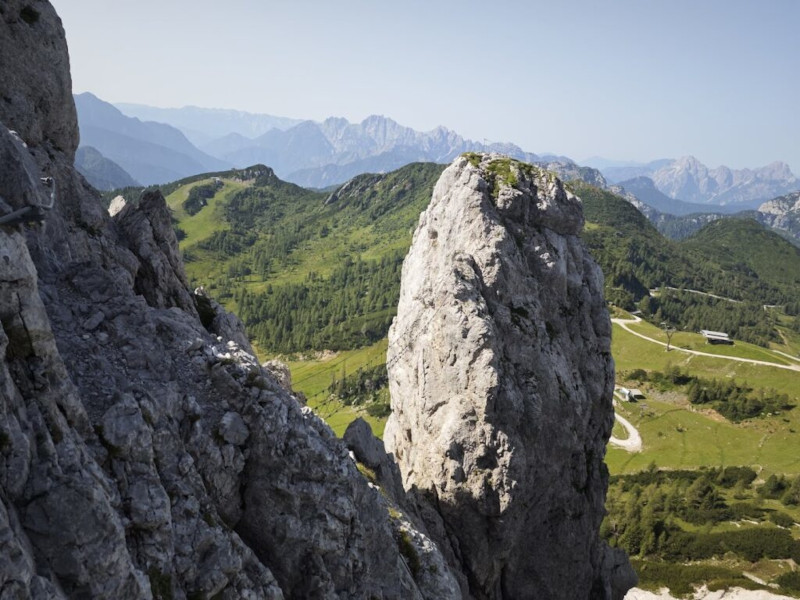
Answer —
(716, 337)
(634, 394)
(631, 395)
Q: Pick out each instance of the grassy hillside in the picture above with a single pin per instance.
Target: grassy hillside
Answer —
(636, 259)
(677, 434)
(305, 270)
(316, 278)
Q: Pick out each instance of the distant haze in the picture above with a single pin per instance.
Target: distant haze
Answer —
(626, 80)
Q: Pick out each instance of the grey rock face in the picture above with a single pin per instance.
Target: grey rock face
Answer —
(280, 371)
(148, 231)
(31, 36)
(144, 453)
(20, 177)
(501, 380)
(569, 171)
(430, 563)
(117, 204)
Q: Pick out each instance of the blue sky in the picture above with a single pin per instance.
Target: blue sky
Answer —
(624, 79)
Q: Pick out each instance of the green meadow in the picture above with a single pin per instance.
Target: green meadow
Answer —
(678, 435)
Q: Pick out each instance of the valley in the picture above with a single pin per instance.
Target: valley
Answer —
(314, 276)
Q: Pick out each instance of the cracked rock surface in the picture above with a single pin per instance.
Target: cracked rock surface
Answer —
(501, 380)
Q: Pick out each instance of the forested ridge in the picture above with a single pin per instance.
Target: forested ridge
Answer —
(309, 270)
(289, 258)
(737, 259)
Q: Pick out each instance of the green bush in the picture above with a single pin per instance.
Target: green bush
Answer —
(773, 487)
(792, 496)
(379, 410)
(789, 581)
(730, 476)
(199, 196)
(638, 375)
(406, 547)
(781, 519)
(750, 544)
(745, 510)
(734, 401)
(682, 579)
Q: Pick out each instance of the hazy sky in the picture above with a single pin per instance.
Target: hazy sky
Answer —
(624, 79)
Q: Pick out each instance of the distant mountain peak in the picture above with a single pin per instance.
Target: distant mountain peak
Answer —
(688, 179)
(148, 151)
(320, 154)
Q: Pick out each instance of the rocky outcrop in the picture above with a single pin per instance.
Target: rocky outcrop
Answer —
(429, 562)
(144, 453)
(31, 37)
(569, 171)
(501, 382)
(147, 230)
(783, 215)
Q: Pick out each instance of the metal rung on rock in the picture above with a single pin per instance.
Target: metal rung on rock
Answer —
(32, 213)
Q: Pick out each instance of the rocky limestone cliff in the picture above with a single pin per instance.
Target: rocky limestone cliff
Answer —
(501, 381)
(144, 453)
(33, 57)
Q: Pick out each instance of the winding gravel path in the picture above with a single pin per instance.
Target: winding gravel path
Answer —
(625, 322)
(633, 443)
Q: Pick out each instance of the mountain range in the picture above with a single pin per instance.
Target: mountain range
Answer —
(203, 125)
(192, 140)
(678, 220)
(646, 191)
(318, 155)
(150, 152)
(103, 173)
(689, 180)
